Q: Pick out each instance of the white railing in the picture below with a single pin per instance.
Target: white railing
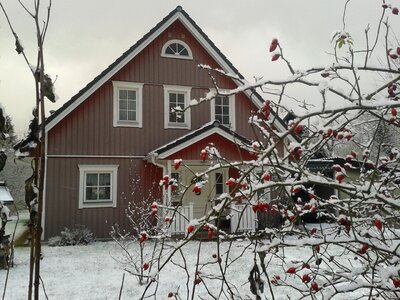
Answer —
(181, 218)
(243, 222)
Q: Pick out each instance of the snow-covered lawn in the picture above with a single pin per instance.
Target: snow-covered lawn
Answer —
(95, 272)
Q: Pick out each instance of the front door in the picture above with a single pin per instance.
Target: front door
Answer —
(214, 186)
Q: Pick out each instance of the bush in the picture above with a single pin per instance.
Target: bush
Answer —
(72, 237)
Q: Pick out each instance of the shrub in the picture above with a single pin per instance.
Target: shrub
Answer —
(72, 237)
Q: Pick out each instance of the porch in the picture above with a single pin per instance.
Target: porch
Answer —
(241, 218)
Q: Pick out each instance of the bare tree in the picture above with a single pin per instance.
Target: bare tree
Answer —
(34, 143)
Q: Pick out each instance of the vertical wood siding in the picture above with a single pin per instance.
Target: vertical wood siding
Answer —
(62, 194)
(89, 130)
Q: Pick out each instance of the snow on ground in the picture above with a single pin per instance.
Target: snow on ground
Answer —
(95, 272)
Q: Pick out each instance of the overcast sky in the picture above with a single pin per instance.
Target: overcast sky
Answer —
(85, 36)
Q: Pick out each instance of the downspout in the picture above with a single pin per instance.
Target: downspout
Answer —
(164, 171)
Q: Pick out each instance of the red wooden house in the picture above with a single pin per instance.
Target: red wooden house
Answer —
(120, 126)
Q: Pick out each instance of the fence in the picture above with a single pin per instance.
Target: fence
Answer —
(245, 221)
(181, 219)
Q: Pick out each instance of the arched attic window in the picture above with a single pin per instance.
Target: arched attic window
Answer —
(176, 49)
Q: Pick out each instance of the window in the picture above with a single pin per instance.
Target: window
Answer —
(127, 104)
(223, 110)
(97, 186)
(175, 99)
(176, 49)
(219, 184)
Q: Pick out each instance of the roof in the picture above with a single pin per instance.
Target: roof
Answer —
(197, 135)
(177, 14)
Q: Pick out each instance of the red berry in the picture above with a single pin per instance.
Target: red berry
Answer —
(314, 286)
(317, 248)
(267, 177)
(395, 10)
(396, 282)
(203, 155)
(353, 153)
(230, 182)
(291, 270)
(306, 278)
(145, 266)
(197, 281)
(299, 129)
(378, 224)
(142, 237)
(275, 57)
(177, 163)
(273, 45)
(170, 294)
(339, 177)
(190, 228)
(313, 230)
(393, 111)
(277, 277)
(210, 234)
(197, 190)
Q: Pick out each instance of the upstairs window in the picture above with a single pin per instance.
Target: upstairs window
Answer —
(176, 99)
(127, 104)
(223, 110)
(176, 49)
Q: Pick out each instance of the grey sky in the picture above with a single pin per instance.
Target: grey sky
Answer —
(84, 37)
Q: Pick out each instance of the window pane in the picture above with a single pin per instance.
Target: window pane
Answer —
(184, 52)
(219, 187)
(225, 110)
(217, 100)
(132, 95)
(172, 97)
(225, 120)
(91, 193)
(169, 50)
(91, 179)
(123, 104)
(181, 99)
(104, 193)
(225, 101)
(218, 110)
(132, 105)
(123, 115)
(105, 179)
(123, 94)
(131, 115)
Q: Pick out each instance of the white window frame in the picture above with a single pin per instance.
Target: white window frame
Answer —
(232, 110)
(130, 86)
(83, 170)
(182, 90)
(167, 44)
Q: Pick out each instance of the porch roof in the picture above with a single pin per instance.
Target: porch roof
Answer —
(207, 130)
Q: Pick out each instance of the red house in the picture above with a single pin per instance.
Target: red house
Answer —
(121, 126)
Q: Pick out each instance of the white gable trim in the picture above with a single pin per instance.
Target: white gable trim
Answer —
(196, 139)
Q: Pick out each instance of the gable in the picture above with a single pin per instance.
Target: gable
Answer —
(230, 145)
(183, 26)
